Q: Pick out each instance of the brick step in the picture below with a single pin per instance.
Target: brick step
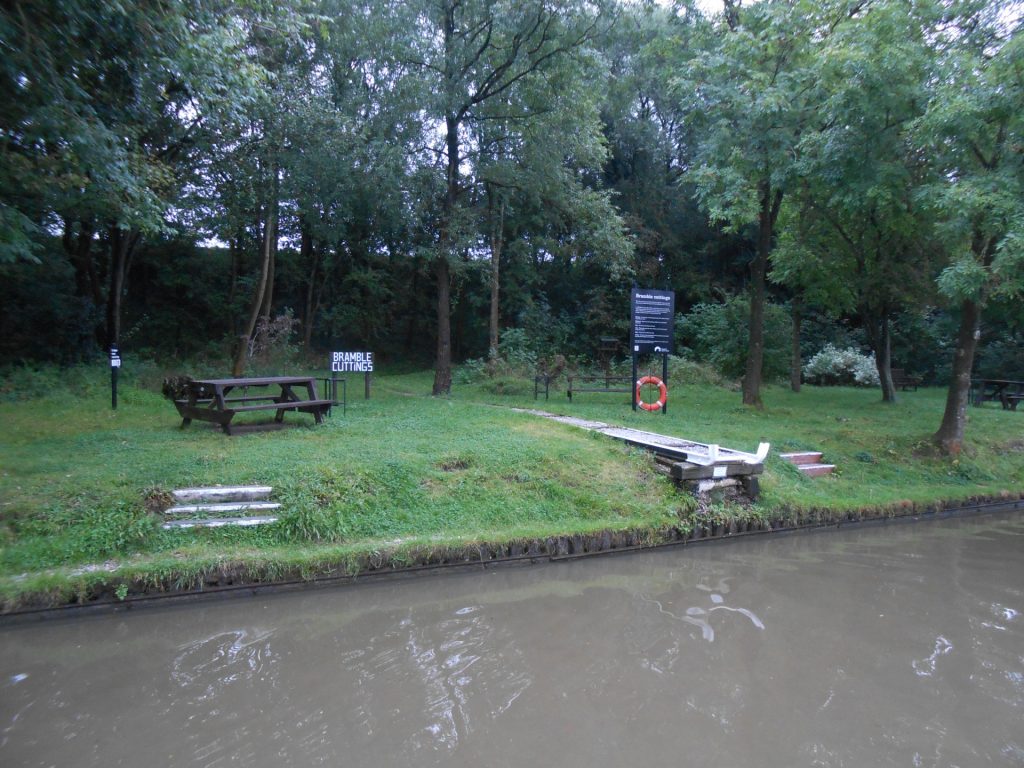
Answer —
(816, 470)
(220, 509)
(219, 522)
(802, 457)
(221, 494)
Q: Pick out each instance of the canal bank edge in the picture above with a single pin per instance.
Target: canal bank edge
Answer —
(116, 587)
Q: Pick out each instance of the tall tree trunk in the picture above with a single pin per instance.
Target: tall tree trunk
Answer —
(442, 267)
(122, 244)
(309, 254)
(78, 247)
(883, 360)
(266, 252)
(770, 204)
(950, 436)
(234, 246)
(497, 243)
(795, 361)
(443, 360)
(268, 293)
(876, 324)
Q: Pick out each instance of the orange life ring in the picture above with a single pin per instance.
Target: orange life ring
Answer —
(662, 393)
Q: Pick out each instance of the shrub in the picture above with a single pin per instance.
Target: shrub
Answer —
(517, 359)
(683, 371)
(832, 366)
(271, 349)
(1002, 357)
(719, 334)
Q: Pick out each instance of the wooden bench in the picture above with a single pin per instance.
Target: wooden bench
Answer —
(208, 399)
(902, 380)
(1010, 402)
(599, 384)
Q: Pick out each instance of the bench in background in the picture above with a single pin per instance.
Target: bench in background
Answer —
(902, 380)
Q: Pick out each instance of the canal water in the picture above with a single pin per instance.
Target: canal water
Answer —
(896, 645)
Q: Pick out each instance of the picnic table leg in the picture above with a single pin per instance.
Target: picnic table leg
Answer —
(192, 398)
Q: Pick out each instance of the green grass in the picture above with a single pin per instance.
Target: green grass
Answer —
(408, 473)
(882, 451)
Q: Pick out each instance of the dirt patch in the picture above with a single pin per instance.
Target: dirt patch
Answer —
(454, 464)
(157, 501)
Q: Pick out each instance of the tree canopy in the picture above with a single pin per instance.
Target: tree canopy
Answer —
(423, 176)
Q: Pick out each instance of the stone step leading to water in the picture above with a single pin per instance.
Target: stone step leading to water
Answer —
(220, 509)
(219, 522)
(222, 494)
(809, 463)
(816, 470)
(220, 506)
(802, 457)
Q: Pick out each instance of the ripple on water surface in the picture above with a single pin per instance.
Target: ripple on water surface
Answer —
(899, 645)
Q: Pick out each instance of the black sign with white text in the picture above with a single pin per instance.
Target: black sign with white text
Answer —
(654, 315)
(352, 362)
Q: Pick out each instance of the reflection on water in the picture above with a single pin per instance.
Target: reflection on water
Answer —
(700, 617)
(895, 645)
(204, 667)
(458, 674)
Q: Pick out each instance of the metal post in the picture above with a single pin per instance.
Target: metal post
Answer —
(664, 379)
(367, 384)
(632, 385)
(115, 367)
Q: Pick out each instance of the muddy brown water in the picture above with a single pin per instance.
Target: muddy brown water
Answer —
(888, 645)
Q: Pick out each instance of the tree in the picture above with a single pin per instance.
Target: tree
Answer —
(974, 130)
(853, 237)
(102, 104)
(468, 55)
(651, 144)
(752, 93)
(540, 150)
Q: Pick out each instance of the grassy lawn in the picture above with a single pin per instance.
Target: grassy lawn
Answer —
(407, 473)
(882, 451)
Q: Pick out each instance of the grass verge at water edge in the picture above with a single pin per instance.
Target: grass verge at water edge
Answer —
(406, 479)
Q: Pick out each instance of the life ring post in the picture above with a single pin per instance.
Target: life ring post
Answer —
(662, 400)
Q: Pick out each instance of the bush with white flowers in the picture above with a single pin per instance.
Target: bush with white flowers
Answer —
(832, 366)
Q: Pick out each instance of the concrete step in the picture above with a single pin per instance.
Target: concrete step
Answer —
(802, 457)
(816, 470)
(219, 522)
(222, 494)
(220, 509)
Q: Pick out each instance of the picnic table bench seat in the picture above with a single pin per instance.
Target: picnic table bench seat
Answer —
(209, 401)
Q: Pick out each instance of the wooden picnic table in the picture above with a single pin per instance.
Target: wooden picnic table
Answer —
(218, 400)
(1008, 392)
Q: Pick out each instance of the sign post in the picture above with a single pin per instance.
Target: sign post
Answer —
(354, 362)
(652, 330)
(115, 366)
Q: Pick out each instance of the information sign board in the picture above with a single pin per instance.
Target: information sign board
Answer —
(653, 328)
(352, 362)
